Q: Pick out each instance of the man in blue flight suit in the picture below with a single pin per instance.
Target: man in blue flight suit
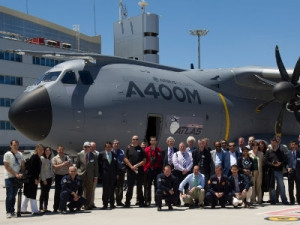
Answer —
(71, 191)
(167, 187)
(218, 188)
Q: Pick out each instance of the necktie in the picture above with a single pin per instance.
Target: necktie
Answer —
(170, 156)
(108, 157)
(196, 184)
(183, 160)
(87, 157)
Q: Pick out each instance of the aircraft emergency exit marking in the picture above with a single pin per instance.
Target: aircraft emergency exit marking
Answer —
(167, 93)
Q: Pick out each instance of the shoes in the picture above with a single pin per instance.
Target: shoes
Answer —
(88, 208)
(170, 207)
(222, 206)
(112, 207)
(127, 205)
(8, 215)
(142, 205)
(63, 212)
(94, 207)
(25, 212)
(292, 203)
(36, 214)
(247, 205)
(14, 215)
(104, 207)
(137, 203)
(148, 203)
(213, 206)
(192, 206)
(120, 204)
(158, 208)
(286, 203)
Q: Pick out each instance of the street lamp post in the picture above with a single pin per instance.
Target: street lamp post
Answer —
(199, 33)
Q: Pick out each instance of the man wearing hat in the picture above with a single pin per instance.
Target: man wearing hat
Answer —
(87, 169)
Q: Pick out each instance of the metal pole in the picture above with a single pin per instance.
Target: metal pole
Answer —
(199, 33)
(198, 51)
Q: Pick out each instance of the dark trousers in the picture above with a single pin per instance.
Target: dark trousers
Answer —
(292, 179)
(108, 191)
(180, 178)
(58, 179)
(119, 187)
(213, 200)
(66, 197)
(169, 199)
(44, 197)
(151, 175)
(132, 177)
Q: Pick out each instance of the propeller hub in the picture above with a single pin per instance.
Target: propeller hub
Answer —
(284, 91)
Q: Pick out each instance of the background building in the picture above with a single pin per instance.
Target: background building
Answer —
(22, 31)
(137, 37)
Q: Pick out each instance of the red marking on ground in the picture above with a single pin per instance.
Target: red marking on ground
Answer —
(295, 212)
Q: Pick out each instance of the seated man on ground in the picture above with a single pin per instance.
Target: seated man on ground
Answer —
(195, 195)
(71, 191)
(241, 189)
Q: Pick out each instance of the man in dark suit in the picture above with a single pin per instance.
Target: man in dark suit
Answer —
(294, 172)
(202, 158)
(167, 153)
(230, 158)
(108, 170)
(87, 169)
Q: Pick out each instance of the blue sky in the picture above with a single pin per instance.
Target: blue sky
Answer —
(241, 32)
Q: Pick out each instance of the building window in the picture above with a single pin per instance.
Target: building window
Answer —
(6, 125)
(6, 102)
(11, 80)
(10, 56)
(45, 62)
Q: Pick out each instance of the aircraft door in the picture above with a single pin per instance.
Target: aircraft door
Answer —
(154, 126)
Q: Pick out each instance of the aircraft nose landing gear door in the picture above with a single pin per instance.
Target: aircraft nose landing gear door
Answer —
(154, 126)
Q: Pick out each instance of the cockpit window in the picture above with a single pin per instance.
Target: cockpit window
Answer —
(69, 78)
(47, 77)
(86, 77)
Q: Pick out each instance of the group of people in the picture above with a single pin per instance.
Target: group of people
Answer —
(197, 175)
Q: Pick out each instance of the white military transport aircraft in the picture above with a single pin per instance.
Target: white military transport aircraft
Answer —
(99, 98)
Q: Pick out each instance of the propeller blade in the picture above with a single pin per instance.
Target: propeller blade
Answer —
(296, 73)
(278, 124)
(284, 75)
(263, 105)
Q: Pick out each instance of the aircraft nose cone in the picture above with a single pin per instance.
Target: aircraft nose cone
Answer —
(31, 114)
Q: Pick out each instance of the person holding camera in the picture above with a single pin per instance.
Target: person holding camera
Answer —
(275, 159)
(13, 164)
(152, 167)
(32, 180)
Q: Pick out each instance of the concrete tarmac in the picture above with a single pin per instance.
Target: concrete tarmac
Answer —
(136, 216)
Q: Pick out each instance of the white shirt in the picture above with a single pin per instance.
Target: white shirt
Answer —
(178, 160)
(13, 162)
(233, 159)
